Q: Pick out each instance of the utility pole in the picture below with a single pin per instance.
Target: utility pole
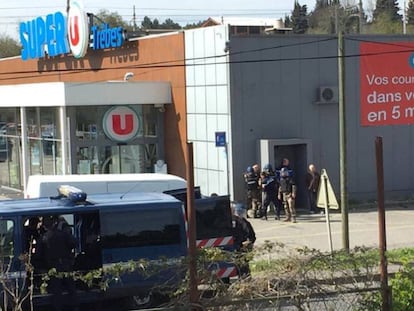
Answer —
(342, 142)
(134, 20)
(404, 18)
(385, 290)
(191, 216)
(360, 17)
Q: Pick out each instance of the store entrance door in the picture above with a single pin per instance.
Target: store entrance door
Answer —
(118, 159)
(124, 159)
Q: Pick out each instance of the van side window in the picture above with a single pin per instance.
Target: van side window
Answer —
(6, 238)
(213, 217)
(140, 228)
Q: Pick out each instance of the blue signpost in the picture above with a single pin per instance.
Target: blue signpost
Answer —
(220, 139)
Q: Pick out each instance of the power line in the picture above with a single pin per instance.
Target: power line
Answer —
(265, 10)
(185, 62)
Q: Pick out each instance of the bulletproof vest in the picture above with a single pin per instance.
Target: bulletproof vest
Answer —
(285, 185)
(270, 183)
(252, 182)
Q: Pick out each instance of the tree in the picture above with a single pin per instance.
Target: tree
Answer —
(9, 47)
(169, 24)
(194, 25)
(384, 24)
(324, 18)
(299, 19)
(288, 21)
(332, 16)
(146, 23)
(410, 12)
(113, 19)
(386, 8)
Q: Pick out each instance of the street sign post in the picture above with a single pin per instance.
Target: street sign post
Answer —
(220, 139)
(326, 199)
(326, 196)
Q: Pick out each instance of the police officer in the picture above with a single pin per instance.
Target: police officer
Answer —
(269, 187)
(244, 237)
(253, 194)
(57, 245)
(287, 193)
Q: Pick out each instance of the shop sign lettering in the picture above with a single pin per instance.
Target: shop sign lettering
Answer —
(387, 96)
(56, 35)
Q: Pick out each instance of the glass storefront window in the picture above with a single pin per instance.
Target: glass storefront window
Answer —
(150, 121)
(88, 122)
(44, 140)
(35, 160)
(124, 159)
(10, 147)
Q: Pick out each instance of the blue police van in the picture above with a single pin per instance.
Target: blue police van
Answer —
(112, 229)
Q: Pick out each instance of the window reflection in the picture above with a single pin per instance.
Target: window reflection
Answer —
(6, 238)
(140, 228)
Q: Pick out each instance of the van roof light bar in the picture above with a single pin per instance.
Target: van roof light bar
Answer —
(73, 194)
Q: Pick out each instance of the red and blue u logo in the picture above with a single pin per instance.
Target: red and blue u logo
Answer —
(121, 123)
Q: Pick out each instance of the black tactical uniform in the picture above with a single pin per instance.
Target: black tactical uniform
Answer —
(57, 250)
(244, 238)
(253, 192)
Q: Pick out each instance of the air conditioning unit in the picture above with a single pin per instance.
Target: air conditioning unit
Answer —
(327, 95)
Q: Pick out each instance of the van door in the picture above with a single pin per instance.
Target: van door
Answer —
(153, 233)
(87, 229)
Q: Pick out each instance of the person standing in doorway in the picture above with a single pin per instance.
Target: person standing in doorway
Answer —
(312, 185)
(287, 193)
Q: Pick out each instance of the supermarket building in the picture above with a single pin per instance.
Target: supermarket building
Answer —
(240, 99)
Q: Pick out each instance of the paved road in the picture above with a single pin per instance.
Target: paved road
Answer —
(311, 230)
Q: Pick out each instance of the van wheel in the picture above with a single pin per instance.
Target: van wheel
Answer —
(149, 300)
(139, 301)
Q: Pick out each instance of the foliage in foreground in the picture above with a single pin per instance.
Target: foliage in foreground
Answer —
(305, 278)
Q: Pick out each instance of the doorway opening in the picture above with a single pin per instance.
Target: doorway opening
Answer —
(299, 152)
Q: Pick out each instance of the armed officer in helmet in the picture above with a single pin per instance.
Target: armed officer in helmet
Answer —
(253, 193)
(287, 193)
(269, 187)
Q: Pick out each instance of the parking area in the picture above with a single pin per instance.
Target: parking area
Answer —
(311, 229)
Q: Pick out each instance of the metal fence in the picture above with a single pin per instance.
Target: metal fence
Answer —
(350, 300)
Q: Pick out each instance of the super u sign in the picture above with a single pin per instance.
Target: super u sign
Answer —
(56, 34)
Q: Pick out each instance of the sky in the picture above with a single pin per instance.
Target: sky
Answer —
(180, 11)
(12, 12)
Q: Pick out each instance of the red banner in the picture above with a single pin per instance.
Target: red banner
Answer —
(387, 83)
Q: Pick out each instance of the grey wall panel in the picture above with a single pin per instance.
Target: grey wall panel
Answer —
(273, 95)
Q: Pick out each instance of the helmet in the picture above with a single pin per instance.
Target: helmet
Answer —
(240, 210)
(249, 169)
(284, 172)
(267, 168)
